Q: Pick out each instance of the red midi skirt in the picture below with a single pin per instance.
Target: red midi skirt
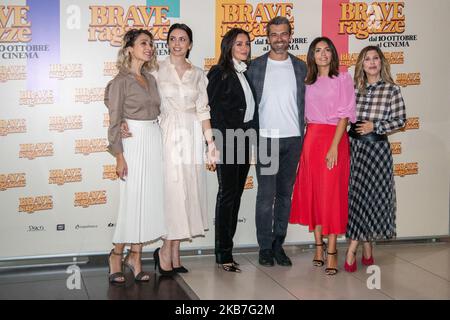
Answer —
(320, 196)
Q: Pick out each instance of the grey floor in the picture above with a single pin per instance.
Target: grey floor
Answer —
(407, 271)
(53, 283)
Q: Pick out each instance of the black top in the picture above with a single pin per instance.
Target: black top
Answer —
(227, 100)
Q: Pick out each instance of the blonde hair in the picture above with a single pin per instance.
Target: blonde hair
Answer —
(361, 77)
(124, 56)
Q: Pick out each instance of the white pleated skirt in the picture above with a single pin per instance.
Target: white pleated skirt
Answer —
(141, 212)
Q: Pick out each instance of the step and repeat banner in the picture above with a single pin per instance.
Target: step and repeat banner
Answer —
(58, 187)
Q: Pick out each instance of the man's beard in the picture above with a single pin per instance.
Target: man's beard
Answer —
(280, 49)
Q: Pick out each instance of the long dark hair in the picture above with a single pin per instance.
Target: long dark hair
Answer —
(226, 49)
(184, 27)
(311, 76)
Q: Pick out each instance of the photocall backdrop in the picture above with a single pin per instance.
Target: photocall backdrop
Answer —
(58, 187)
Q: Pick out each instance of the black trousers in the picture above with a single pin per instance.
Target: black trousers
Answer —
(231, 178)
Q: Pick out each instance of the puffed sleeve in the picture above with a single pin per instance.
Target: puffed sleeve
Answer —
(397, 114)
(347, 98)
(201, 104)
(114, 99)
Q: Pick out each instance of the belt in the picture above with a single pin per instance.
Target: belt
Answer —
(372, 136)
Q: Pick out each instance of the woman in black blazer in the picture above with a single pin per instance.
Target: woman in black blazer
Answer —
(234, 119)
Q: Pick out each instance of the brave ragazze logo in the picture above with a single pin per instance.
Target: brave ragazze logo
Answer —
(35, 150)
(110, 23)
(32, 204)
(62, 176)
(88, 146)
(109, 172)
(61, 124)
(250, 18)
(12, 126)
(14, 24)
(12, 180)
(87, 199)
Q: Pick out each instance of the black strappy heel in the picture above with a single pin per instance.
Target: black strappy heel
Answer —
(141, 276)
(320, 263)
(114, 278)
(331, 271)
(229, 267)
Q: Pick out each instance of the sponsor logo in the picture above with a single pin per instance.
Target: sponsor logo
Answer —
(88, 95)
(88, 146)
(109, 172)
(61, 124)
(12, 73)
(64, 71)
(363, 19)
(35, 150)
(35, 228)
(12, 180)
(32, 204)
(60, 227)
(396, 147)
(32, 98)
(408, 79)
(12, 126)
(404, 169)
(62, 176)
(78, 226)
(87, 199)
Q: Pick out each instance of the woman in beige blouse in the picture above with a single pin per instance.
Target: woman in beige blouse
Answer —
(132, 96)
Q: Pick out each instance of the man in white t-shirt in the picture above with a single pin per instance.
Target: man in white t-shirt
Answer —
(278, 78)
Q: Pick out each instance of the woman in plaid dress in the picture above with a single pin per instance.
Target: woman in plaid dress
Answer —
(380, 111)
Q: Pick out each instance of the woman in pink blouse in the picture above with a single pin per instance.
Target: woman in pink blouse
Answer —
(320, 197)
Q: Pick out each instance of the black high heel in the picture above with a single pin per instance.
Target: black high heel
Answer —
(180, 269)
(113, 278)
(331, 271)
(229, 267)
(317, 262)
(141, 276)
(158, 264)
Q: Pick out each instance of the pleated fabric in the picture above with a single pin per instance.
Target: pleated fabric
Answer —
(320, 196)
(141, 213)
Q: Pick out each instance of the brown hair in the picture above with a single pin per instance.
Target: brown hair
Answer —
(311, 76)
